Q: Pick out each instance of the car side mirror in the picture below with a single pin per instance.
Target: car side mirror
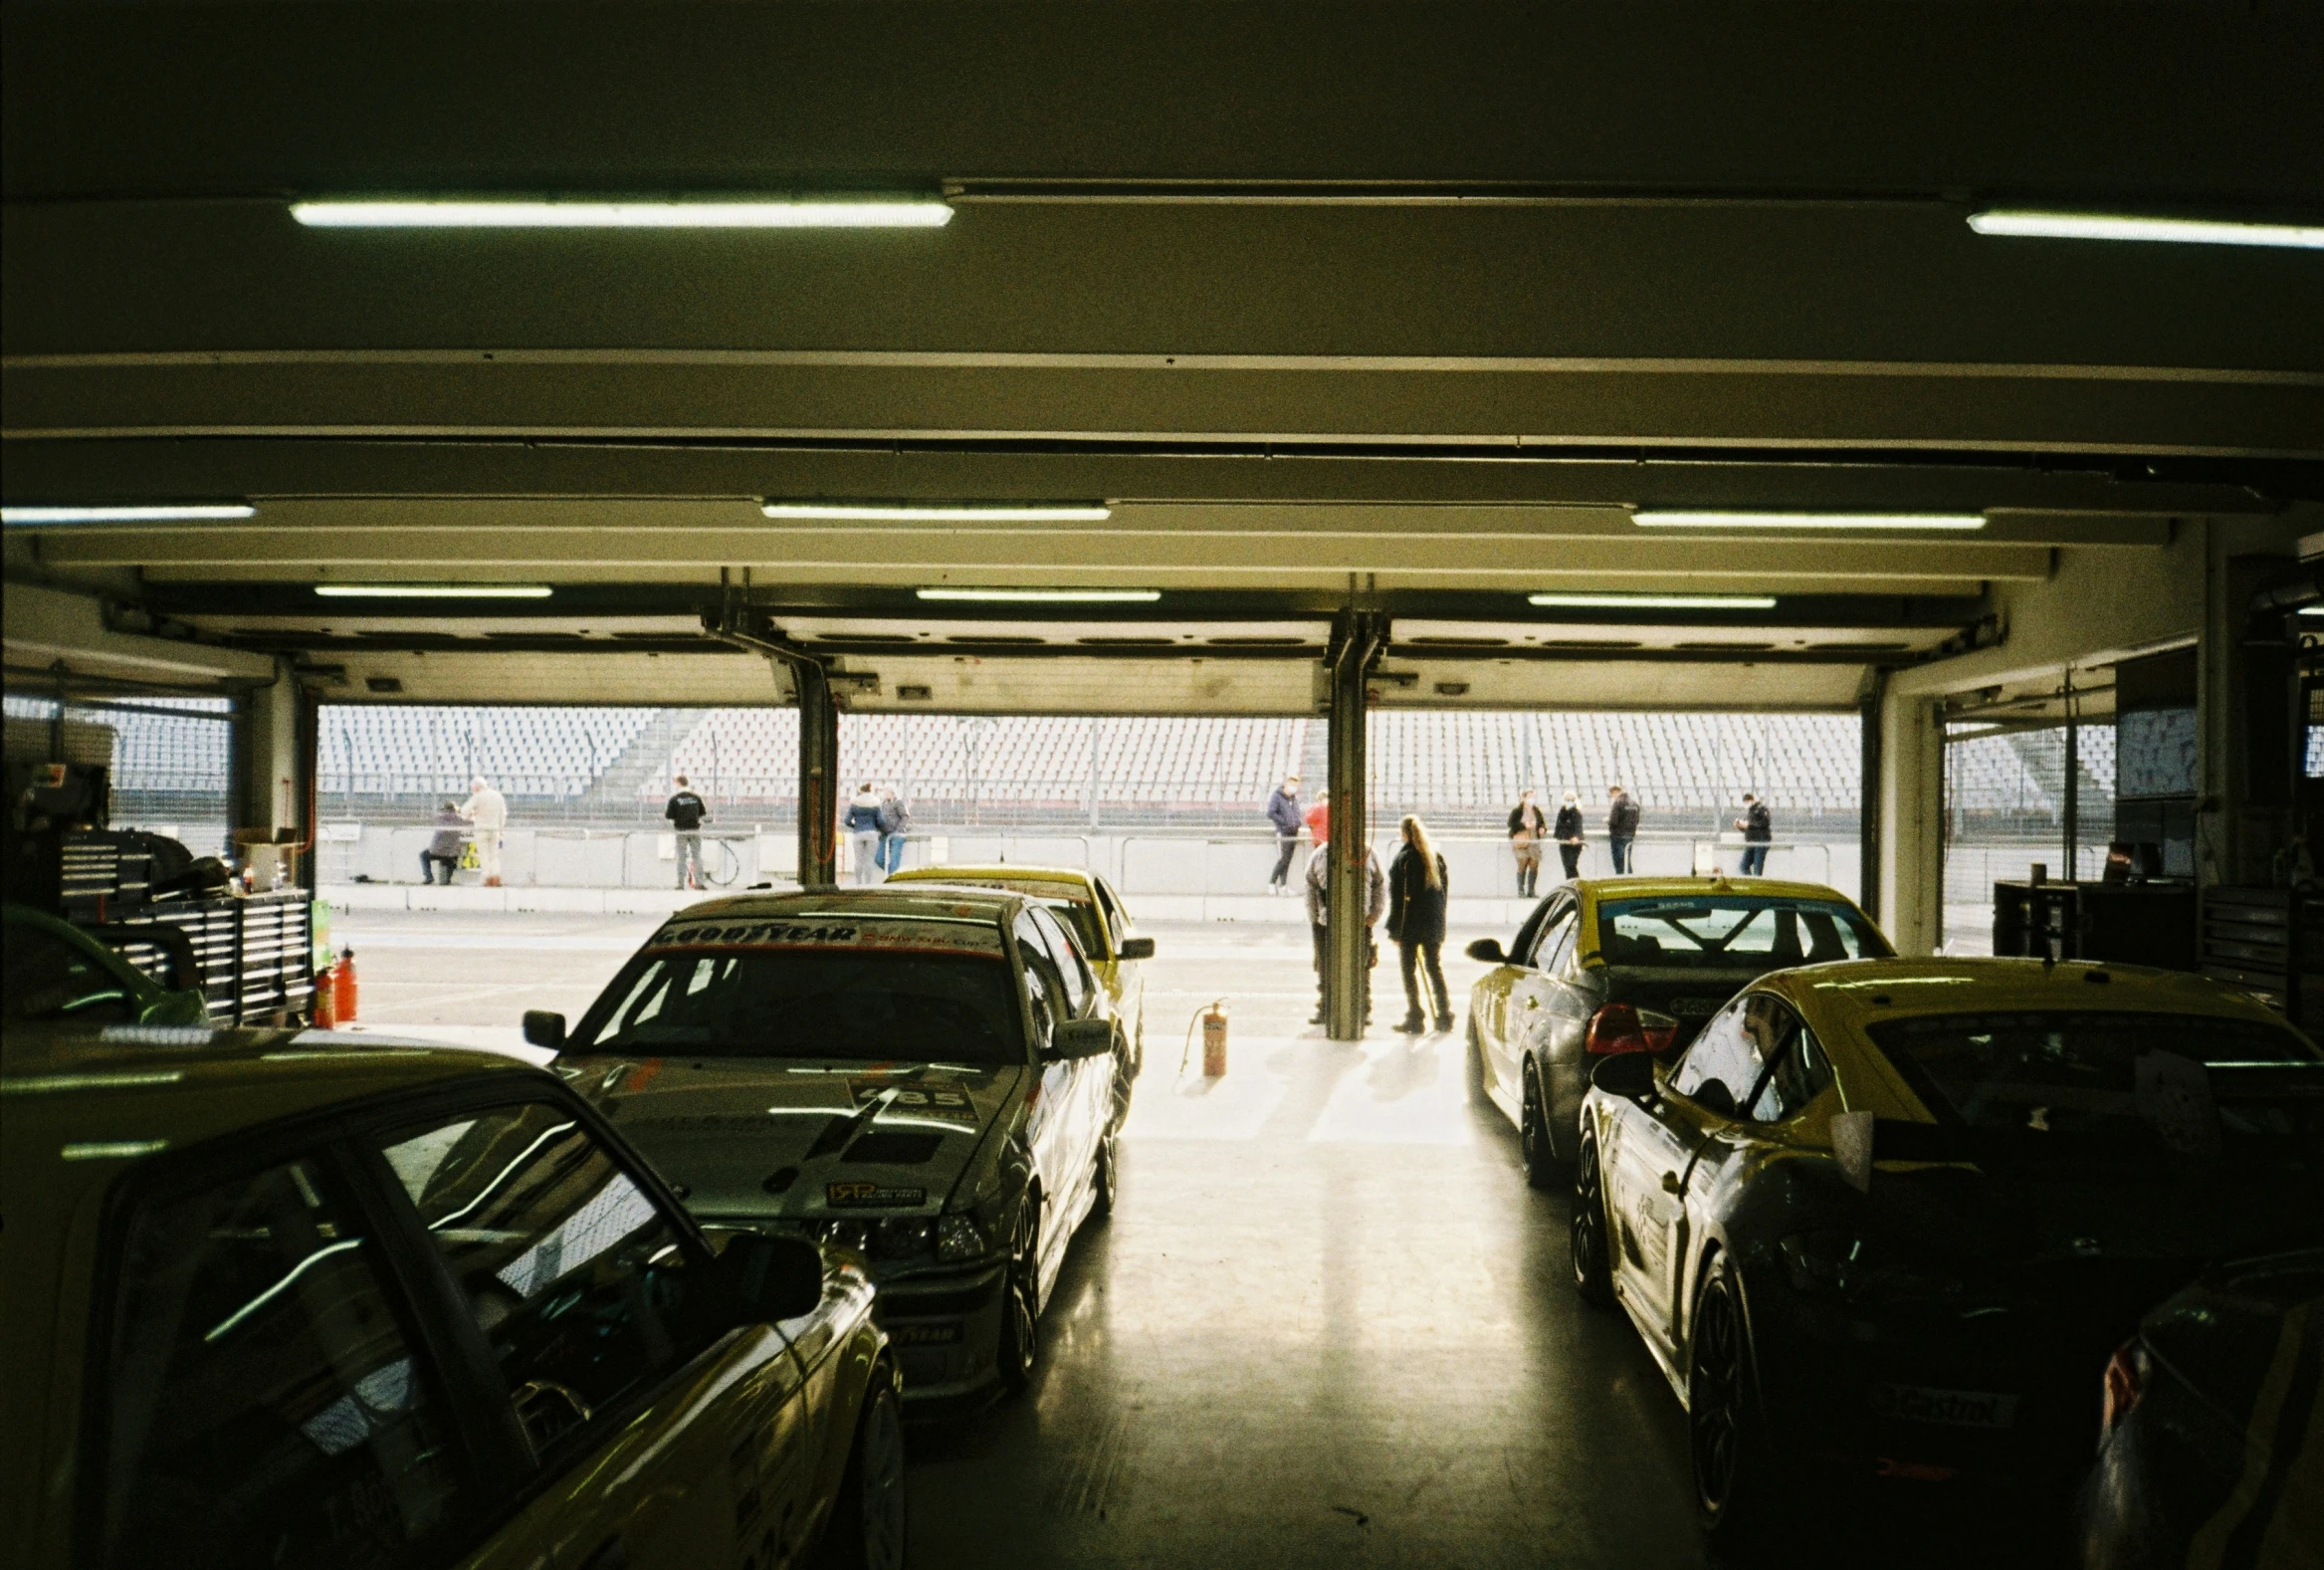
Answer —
(1134, 948)
(764, 1279)
(544, 1028)
(1078, 1038)
(1488, 949)
(1629, 1076)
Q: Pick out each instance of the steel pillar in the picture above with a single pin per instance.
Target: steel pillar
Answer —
(1357, 642)
(818, 775)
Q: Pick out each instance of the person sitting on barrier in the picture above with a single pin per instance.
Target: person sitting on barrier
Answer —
(443, 850)
(1376, 900)
(1758, 832)
(1567, 832)
(863, 833)
(686, 811)
(1418, 885)
(1528, 827)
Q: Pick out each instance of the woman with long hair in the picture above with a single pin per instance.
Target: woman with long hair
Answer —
(1417, 884)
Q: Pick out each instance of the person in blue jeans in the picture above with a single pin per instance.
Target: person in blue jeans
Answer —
(1758, 832)
(895, 821)
(1283, 813)
(863, 831)
(1622, 826)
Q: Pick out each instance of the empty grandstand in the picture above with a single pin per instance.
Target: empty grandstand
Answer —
(614, 767)
(171, 761)
(2004, 812)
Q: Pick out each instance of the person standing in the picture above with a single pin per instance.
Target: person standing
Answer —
(1622, 826)
(488, 812)
(1568, 830)
(895, 822)
(443, 850)
(1528, 827)
(686, 811)
(1318, 817)
(1419, 884)
(1283, 813)
(863, 832)
(1319, 909)
(1758, 832)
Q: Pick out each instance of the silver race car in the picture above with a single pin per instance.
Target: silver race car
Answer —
(925, 1078)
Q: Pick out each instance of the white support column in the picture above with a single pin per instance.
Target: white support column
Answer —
(267, 755)
(1911, 791)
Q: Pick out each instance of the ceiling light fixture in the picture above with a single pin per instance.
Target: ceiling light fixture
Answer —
(129, 514)
(1654, 601)
(2123, 226)
(454, 213)
(1050, 597)
(1665, 518)
(945, 511)
(433, 591)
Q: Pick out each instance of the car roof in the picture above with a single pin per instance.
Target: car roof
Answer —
(1014, 871)
(859, 903)
(1663, 887)
(85, 1100)
(1863, 992)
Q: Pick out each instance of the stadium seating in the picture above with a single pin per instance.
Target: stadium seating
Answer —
(552, 753)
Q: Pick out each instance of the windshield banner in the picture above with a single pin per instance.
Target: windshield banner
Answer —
(855, 935)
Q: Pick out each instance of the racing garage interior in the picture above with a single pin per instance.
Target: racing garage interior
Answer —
(1945, 384)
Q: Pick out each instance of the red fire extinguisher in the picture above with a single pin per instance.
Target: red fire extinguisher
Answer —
(1212, 1020)
(342, 987)
(327, 997)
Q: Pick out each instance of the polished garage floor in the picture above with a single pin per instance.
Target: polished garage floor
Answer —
(1328, 1326)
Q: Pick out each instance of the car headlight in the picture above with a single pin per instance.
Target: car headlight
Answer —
(899, 1238)
(958, 1240)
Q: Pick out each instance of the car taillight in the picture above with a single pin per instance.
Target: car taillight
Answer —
(2125, 1381)
(1625, 1028)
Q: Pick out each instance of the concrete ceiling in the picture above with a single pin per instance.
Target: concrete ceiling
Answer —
(1399, 301)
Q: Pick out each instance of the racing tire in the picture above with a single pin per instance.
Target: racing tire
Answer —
(1589, 1238)
(1542, 1168)
(1474, 1067)
(1021, 1305)
(1106, 1179)
(868, 1518)
(1729, 1443)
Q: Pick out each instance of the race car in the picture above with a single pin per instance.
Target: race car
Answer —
(295, 1299)
(1664, 953)
(1096, 916)
(924, 1077)
(1893, 1216)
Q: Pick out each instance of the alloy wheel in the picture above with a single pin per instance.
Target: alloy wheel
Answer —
(1592, 1264)
(1020, 1316)
(1715, 1399)
(1533, 1133)
(882, 1464)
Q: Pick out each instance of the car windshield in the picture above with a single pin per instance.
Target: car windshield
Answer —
(1079, 913)
(2114, 1086)
(1745, 933)
(808, 1002)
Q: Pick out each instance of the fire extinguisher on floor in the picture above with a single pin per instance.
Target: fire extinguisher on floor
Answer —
(1212, 1019)
(327, 997)
(342, 987)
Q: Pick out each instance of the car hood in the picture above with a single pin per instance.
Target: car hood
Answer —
(800, 1138)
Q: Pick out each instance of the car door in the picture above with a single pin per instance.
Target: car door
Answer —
(665, 1441)
(1060, 1129)
(1127, 977)
(1107, 1092)
(1656, 1158)
(1533, 991)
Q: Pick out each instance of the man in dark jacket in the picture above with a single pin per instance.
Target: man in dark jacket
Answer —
(686, 811)
(443, 849)
(1567, 833)
(1622, 826)
(1283, 813)
(1759, 831)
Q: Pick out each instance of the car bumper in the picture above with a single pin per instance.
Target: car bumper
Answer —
(945, 1330)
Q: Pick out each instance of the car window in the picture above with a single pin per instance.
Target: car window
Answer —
(1560, 928)
(1079, 984)
(1739, 932)
(573, 1275)
(1116, 922)
(895, 1004)
(263, 1402)
(1798, 1070)
(1559, 949)
(49, 977)
(1527, 933)
(1722, 1066)
(1045, 991)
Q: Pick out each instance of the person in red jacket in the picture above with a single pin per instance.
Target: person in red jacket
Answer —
(1318, 817)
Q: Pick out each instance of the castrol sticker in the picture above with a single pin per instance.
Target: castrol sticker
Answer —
(872, 934)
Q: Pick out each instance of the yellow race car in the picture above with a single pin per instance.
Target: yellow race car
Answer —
(1669, 951)
(1095, 915)
(280, 1301)
(1889, 1220)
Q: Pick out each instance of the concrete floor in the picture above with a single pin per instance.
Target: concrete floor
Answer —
(1329, 1325)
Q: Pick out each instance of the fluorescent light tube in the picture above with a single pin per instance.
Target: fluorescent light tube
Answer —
(864, 213)
(945, 511)
(1665, 518)
(1052, 596)
(1655, 602)
(433, 591)
(2313, 610)
(194, 513)
(2122, 226)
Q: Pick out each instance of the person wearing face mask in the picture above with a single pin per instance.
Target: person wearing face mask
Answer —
(1529, 825)
(1567, 832)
